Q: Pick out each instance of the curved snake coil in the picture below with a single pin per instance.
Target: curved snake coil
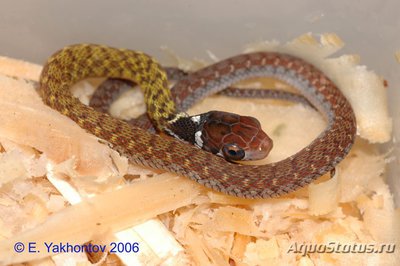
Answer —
(74, 63)
(110, 90)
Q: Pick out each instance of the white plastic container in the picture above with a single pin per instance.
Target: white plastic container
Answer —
(32, 30)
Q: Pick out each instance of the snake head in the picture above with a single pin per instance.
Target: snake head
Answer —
(232, 136)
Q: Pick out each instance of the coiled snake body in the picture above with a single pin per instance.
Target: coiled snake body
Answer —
(74, 63)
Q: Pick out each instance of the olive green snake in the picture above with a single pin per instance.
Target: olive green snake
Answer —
(77, 62)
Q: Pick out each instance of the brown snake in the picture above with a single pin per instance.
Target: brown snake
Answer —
(141, 147)
(110, 90)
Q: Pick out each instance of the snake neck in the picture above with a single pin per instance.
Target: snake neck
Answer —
(187, 128)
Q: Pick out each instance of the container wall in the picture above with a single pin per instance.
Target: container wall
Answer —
(31, 30)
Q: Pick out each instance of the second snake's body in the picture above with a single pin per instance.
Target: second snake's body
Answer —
(141, 147)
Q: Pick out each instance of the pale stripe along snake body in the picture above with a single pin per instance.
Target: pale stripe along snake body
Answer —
(74, 63)
(111, 89)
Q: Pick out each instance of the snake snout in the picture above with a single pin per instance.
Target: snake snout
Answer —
(260, 147)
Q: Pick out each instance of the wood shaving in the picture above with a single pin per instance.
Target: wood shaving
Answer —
(188, 224)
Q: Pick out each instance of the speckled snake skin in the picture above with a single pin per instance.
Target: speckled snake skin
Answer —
(77, 62)
(110, 89)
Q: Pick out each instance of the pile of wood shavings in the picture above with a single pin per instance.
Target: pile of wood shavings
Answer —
(198, 226)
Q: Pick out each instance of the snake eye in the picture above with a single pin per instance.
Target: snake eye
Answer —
(233, 152)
